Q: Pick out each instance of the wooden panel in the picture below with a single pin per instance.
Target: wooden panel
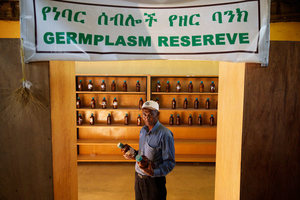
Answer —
(63, 118)
(25, 144)
(229, 130)
(271, 126)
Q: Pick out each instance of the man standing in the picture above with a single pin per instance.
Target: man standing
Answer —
(157, 144)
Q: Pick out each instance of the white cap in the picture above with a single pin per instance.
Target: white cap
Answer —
(152, 105)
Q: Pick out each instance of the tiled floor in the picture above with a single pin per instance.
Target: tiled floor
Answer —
(111, 181)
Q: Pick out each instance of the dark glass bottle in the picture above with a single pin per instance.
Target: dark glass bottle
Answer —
(144, 161)
(178, 120)
(138, 86)
(126, 119)
(201, 87)
(190, 120)
(212, 87)
(190, 87)
(139, 120)
(93, 103)
(200, 120)
(196, 103)
(128, 150)
(141, 102)
(168, 87)
(80, 86)
(90, 85)
(113, 86)
(125, 86)
(104, 103)
(115, 103)
(108, 119)
(171, 120)
(211, 120)
(173, 104)
(92, 119)
(158, 86)
(185, 103)
(103, 86)
(78, 102)
(79, 120)
(207, 103)
(178, 87)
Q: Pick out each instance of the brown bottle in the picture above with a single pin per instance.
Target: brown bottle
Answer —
(190, 87)
(103, 86)
(185, 103)
(178, 86)
(171, 120)
(144, 161)
(80, 86)
(138, 86)
(124, 86)
(173, 104)
(90, 85)
(141, 103)
(207, 103)
(190, 120)
(212, 87)
(108, 119)
(93, 103)
(78, 102)
(139, 120)
(201, 87)
(168, 87)
(158, 86)
(113, 86)
(128, 150)
(92, 119)
(200, 120)
(178, 120)
(211, 120)
(196, 104)
(79, 120)
(126, 119)
(115, 103)
(104, 103)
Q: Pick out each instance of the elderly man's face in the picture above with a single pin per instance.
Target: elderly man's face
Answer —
(150, 117)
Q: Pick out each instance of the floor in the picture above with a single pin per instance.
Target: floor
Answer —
(110, 181)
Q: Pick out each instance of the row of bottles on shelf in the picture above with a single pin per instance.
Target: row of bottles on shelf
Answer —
(185, 103)
(212, 87)
(103, 104)
(172, 120)
(103, 88)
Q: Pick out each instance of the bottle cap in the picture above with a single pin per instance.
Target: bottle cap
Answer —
(141, 98)
(90, 81)
(93, 98)
(168, 81)
(177, 115)
(120, 145)
(178, 81)
(139, 158)
(196, 98)
(113, 81)
(185, 98)
(190, 81)
(115, 98)
(124, 81)
(108, 114)
(212, 82)
(92, 114)
(211, 115)
(139, 115)
(207, 99)
(157, 98)
(79, 114)
(158, 81)
(138, 81)
(80, 81)
(201, 82)
(199, 115)
(173, 98)
(78, 98)
(190, 115)
(126, 114)
(172, 115)
(102, 81)
(103, 98)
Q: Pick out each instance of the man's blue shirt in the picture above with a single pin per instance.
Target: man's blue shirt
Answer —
(158, 146)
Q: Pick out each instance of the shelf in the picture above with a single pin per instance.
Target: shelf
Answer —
(109, 92)
(108, 126)
(107, 109)
(135, 142)
(188, 109)
(186, 93)
(120, 158)
(135, 126)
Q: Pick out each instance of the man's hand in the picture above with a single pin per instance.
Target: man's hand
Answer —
(149, 170)
(127, 155)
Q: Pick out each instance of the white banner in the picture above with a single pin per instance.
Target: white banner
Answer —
(220, 30)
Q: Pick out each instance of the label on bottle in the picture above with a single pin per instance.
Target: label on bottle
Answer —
(130, 152)
(91, 120)
(158, 86)
(102, 86)
(115, 103)
(90, 86)
(178, 87)
(79, 86)
(77, 103)
(80, 121)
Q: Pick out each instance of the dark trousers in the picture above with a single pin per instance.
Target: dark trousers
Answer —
(150, 188)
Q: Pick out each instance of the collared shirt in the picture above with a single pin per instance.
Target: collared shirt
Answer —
(158, 146)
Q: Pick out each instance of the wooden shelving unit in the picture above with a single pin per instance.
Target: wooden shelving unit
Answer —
(97, 143)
